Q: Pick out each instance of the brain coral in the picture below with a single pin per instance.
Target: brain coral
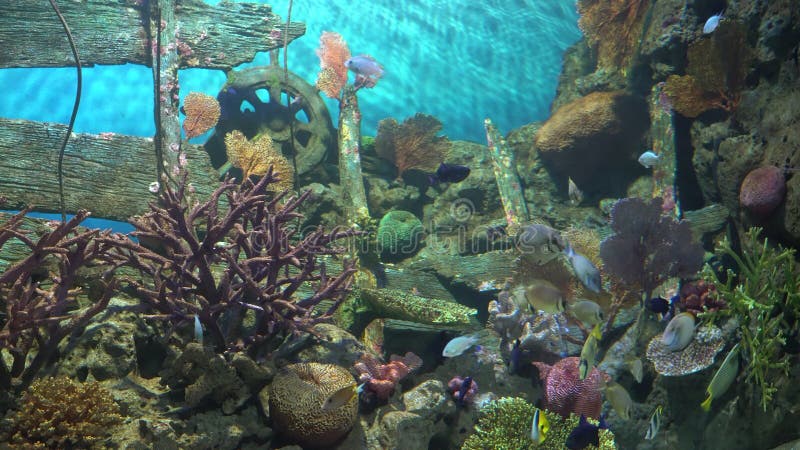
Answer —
(762, 190)
(399, 233)
(296, 397)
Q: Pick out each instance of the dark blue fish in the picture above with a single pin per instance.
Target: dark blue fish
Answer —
(449, 173)
(513, 360)
(657, 305)
(230, 103)
(462, 390)
(584, 434)
(673, 303)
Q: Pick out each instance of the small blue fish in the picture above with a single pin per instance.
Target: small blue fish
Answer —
(514, 358)
(365, 66)
(657, 305)
(449, 173)
(649, 159)
(198, 330)
(230, 103)
(584, 270)
(712, 23)
(585, 433)
(463, 389)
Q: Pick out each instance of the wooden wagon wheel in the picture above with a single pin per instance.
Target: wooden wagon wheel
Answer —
(253, 101)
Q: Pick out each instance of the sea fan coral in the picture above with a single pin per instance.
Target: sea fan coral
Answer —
(256, 156)
(332, 52)
(414, 144)
(614, 28)
(202, 113)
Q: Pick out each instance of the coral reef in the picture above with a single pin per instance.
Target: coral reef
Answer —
(699, 297)
(613, 27)
(505, 425)
(698, 355)
(257, 156)
(264, 264)
(332, 53)
(762, 190)
(296, 399)
(399, 234)
(394, 304)
(381, 379)
(565, 392)
(455, 385)
(202, 113)
(413, 144)
(60, 413)
(40, 295)
(763, 293)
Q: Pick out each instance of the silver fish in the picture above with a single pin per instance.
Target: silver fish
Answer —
(198, 330)
(584, 270)
(723, 379)
(575, 194)
(587, 312)
(655, 423)
(459, 345)
(712, 23)
(679, 332)
(533, 237)
(649, 159)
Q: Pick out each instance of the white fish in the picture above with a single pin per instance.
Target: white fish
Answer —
(584, 270)
(459, 345)
(723, 379)
(340, 397)
(649, 159)
(679, 332)
(198, 330)
(655, 423)
(712, 23)
(575, 194)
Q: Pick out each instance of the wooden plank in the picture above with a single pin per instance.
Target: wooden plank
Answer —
(117, 32)
(107, 174)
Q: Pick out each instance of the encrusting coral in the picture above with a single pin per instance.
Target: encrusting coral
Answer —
(296, 399)
(413, 144)
(59, 413)
(505, 424)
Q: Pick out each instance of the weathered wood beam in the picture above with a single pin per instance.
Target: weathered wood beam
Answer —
(108, 174)
(117, 32)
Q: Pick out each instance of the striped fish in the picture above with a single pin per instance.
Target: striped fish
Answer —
(655, 423)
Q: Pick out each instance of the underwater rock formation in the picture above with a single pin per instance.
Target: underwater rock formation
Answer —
(296, 398)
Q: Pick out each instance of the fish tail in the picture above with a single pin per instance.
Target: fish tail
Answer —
(706, 405)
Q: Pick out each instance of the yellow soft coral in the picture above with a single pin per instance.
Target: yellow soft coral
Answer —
(256, 156)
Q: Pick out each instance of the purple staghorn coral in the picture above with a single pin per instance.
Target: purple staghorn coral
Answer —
(234, 252)
(647, 248)
(38, 294)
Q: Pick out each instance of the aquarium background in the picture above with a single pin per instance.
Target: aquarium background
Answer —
(460, 61)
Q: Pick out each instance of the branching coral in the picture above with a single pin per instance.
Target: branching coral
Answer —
(222, 257)
(505, 424)
(39, 294)
(766, 301)
(614, 27)
(59, 413)
(255, 157)
(715, 73)
(413, 144)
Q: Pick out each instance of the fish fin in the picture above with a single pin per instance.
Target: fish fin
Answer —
(706, 405)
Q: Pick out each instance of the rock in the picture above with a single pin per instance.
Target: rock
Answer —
(595, 140)
(333, 346)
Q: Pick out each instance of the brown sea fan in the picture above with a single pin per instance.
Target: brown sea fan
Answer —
(202, 113)
(256, 156)
(413, 144)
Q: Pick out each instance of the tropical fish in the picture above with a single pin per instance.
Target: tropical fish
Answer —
(655, 423)
(340, 397)
(619, 398)
(575, 194)
(449, 173)
(587, 311)
(585, 433)
(198, 330)
(636, 368)
(584, 270)
(649, 159)
(365, 66)
(462, 390)
(723, 379)
(679, 332)
(459, 345)
(533, 237)
(657, 305)
(514, 357)
(541, 295)
(539, 426)
(712, 23)
(589, 352)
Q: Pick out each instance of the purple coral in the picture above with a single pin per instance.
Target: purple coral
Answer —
(762, 190)
(647, 248)
(463, 390)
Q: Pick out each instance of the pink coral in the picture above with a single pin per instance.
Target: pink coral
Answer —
(455, 385)
(762, 191)
(381, 379)
(565, 392)
(699, 297)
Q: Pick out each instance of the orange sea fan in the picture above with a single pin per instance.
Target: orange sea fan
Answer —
(256, 156)
(413, 144)
(202, 113)
(332, 52)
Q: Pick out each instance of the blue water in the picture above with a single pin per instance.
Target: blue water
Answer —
(459, 60)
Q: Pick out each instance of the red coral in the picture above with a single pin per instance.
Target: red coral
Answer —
(762, 191)
(454, 385)
(565, 392)
(699, 297)
(381, 379)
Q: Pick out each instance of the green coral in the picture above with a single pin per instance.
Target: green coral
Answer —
(399, 233)
(766, 302)
(505, 424)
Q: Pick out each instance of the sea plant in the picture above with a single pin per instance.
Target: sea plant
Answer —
(763, 294)
(236, 251)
